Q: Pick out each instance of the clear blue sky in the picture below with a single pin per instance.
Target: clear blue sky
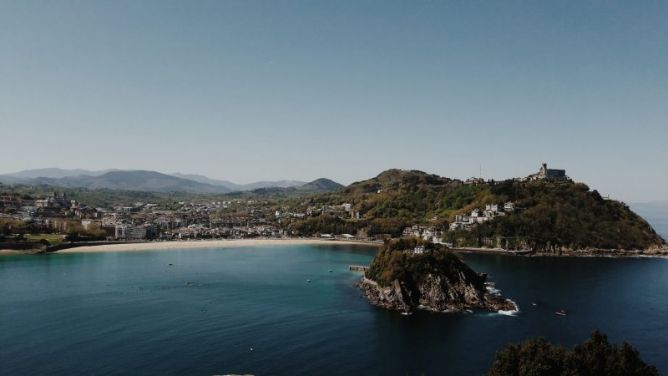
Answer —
(246, 90)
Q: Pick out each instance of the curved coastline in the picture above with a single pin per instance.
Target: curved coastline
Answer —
(259, 242)
(197, 244)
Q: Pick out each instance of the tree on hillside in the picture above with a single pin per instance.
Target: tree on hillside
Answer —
(595, 357)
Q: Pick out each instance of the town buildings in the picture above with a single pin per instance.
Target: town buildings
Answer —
(478, 216)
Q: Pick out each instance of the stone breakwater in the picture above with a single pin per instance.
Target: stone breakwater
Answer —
(437, 294)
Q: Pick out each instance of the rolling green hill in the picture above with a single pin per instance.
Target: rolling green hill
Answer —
(549, 215)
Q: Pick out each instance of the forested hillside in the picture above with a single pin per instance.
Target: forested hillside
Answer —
(547, 215)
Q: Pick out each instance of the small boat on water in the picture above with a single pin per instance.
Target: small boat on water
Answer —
(308, 281)
(560, 312)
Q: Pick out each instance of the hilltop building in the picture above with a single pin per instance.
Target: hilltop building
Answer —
(549, 174)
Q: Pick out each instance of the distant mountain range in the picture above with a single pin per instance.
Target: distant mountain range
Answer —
(321, 185)
(152, 181)
(55, 173)
(240, 187)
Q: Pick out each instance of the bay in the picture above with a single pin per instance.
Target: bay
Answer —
(253, 310)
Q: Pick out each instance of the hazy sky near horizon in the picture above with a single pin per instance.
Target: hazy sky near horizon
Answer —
(257, 90)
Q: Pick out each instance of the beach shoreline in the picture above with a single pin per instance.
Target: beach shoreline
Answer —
(4, 252)
(265, 242)
(199, 244)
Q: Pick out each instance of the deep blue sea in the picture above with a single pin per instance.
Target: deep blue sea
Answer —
(251, 310)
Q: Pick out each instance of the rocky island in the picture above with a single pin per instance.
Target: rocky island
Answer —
(410, 273)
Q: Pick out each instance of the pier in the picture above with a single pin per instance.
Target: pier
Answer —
(358, 268)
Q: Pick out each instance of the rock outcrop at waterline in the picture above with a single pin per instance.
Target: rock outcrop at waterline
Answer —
(435, 296)
(401, 279)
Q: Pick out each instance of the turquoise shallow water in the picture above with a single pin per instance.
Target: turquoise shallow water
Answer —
(120, 313)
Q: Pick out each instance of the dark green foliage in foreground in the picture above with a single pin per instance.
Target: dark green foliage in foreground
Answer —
(595, 357)
(393, 263)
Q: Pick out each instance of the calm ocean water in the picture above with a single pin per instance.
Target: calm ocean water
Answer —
(251, 310)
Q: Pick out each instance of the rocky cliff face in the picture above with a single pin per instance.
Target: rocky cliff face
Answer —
(436, 294)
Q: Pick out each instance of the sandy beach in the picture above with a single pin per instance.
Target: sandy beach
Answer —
(194, 244)
(10, 252)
